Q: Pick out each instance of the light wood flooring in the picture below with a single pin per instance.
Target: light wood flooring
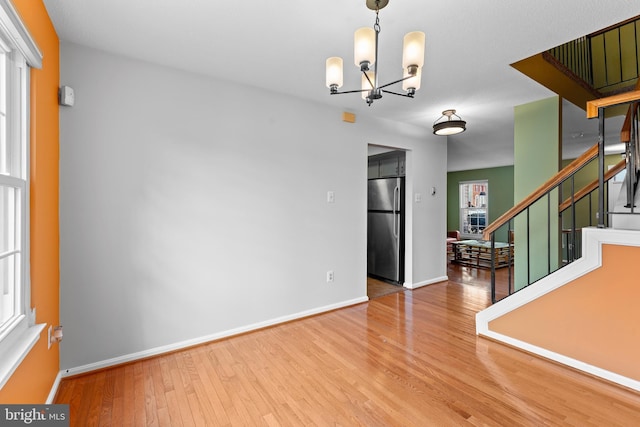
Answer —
(409, 358)
(377, 288)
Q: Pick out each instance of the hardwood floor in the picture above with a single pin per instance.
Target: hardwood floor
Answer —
(481, 277)
(407, 358)
(377, 288)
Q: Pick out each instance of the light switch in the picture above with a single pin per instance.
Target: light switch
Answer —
(417, 197)
(331, 197)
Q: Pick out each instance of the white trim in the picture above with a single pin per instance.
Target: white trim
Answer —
(19, 37)
(21, 342)
(560, 358)
(12, 181)
(204, 339)
(54, 389)
(20, 338)
(426, 282)
(592, 241)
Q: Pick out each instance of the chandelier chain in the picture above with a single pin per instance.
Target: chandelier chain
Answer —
(376, 26)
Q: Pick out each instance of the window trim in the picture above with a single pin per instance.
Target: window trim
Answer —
(11, 27)
(23, 333)
(463, 210)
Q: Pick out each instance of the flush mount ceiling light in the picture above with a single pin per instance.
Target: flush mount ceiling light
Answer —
(448, 125)
(366, 55)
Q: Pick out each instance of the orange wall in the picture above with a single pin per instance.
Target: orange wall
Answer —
(32, 381)
(594, 319)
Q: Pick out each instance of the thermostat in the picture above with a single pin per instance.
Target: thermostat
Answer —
(66, 96)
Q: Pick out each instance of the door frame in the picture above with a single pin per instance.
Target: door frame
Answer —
(373, 149)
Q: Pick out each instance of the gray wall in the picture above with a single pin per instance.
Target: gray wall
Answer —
(193, 208)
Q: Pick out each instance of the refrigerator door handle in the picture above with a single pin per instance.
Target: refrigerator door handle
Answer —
(396, 223)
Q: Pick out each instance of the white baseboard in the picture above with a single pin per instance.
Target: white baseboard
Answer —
(592, 241)
(426, 282)
(54, 389)
(201, 340)
(565, 360)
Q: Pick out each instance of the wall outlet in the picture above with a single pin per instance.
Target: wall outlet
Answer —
(330, 276)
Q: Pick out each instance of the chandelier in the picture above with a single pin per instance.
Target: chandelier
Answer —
(366, 55)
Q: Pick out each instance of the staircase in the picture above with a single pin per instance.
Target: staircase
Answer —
(595, 66)
(605, 61)
(570, 291)
(538, 248)
(575, 306)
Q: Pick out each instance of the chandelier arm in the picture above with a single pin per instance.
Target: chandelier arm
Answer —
(397, 81)
(373, 86)
(406, 95)
(349, 91)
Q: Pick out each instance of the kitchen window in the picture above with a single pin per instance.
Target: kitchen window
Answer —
(18, 331)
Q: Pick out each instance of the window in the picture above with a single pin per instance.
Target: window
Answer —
(474, 199)
(13, 187)
(18, 331)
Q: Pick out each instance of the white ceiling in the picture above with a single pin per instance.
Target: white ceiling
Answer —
(282, 46)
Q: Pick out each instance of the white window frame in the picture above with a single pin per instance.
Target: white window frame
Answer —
(473, 208)
(20, 334)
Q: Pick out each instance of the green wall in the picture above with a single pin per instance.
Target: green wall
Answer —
(537, 157)
(500, 193)
(537, 146)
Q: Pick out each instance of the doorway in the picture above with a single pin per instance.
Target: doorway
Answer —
(386, 213)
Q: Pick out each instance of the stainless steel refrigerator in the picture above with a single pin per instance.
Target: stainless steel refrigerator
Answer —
(385, 229)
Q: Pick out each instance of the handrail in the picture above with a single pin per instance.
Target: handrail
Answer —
(593, 106)
(625, 133)
(614, 26)
(562, 243)
(580, 194)
(554, 181)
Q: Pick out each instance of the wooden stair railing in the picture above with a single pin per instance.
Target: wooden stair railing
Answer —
(625, 136)
(594, 109)
(625, 133)
(570, 169)
(587, 156)
(580, 194)
(553, 182)
(592, 106)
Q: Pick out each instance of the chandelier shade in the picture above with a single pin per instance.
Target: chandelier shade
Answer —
(364, 47)
(365, 57)
(334, 71)
(413, 49)
(448, 125)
